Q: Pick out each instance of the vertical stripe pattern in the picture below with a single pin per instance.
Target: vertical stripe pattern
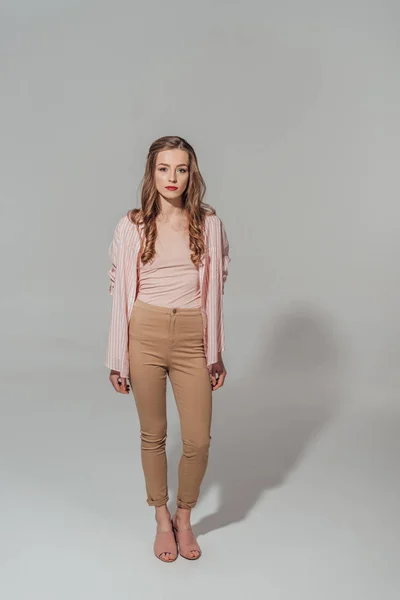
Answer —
(124, 252)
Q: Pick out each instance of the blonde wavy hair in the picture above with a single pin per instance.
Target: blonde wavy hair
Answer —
(196, 209)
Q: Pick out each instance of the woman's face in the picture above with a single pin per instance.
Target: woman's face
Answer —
(172, 171)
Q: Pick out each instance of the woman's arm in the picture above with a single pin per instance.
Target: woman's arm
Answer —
(220, 260)
(113, 254)
(225, 255)
(119, 383)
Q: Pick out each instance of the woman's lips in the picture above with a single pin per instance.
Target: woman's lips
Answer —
(171, 187)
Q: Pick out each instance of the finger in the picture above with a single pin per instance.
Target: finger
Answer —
(119, 386)
(220, 382)
(123, 385)
(116, 386)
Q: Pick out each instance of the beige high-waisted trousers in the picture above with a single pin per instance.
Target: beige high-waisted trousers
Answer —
(169, 341)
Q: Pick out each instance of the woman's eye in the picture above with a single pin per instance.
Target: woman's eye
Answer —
(165, 168)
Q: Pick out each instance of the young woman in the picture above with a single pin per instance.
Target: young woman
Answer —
(169, 266)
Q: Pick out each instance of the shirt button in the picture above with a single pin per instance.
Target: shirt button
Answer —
(174, 310)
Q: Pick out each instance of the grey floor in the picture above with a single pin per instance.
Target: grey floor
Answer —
(300, 500)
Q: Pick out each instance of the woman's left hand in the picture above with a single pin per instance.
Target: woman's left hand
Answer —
(217, 374)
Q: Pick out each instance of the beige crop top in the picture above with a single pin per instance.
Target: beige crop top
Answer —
(170, 279)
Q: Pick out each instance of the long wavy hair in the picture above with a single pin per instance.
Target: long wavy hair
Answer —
(196, 209)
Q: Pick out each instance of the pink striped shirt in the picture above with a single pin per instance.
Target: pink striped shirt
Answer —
(124, 253)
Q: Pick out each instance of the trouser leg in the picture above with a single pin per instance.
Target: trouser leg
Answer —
(193, 395)
(148, 382)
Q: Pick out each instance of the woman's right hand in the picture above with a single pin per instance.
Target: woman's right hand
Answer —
(119, 383)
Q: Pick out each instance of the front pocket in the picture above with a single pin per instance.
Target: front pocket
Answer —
(146, 325)
(191, 327)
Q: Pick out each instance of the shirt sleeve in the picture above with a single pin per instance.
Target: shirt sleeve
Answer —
(226, 259)
(113, 254)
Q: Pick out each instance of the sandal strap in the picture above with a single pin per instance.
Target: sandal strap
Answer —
(187, 546)
(165, 542)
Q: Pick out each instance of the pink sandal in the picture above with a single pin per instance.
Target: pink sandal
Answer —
(165, 542)
(187, 542)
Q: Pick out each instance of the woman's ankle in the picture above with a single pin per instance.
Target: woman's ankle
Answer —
(183, 514)
(162, 511)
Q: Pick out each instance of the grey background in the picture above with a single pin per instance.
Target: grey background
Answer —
(292, 108)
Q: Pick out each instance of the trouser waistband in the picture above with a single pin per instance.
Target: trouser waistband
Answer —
(166, 310)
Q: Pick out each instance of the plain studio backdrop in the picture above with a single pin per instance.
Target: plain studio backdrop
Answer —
(293, 110)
